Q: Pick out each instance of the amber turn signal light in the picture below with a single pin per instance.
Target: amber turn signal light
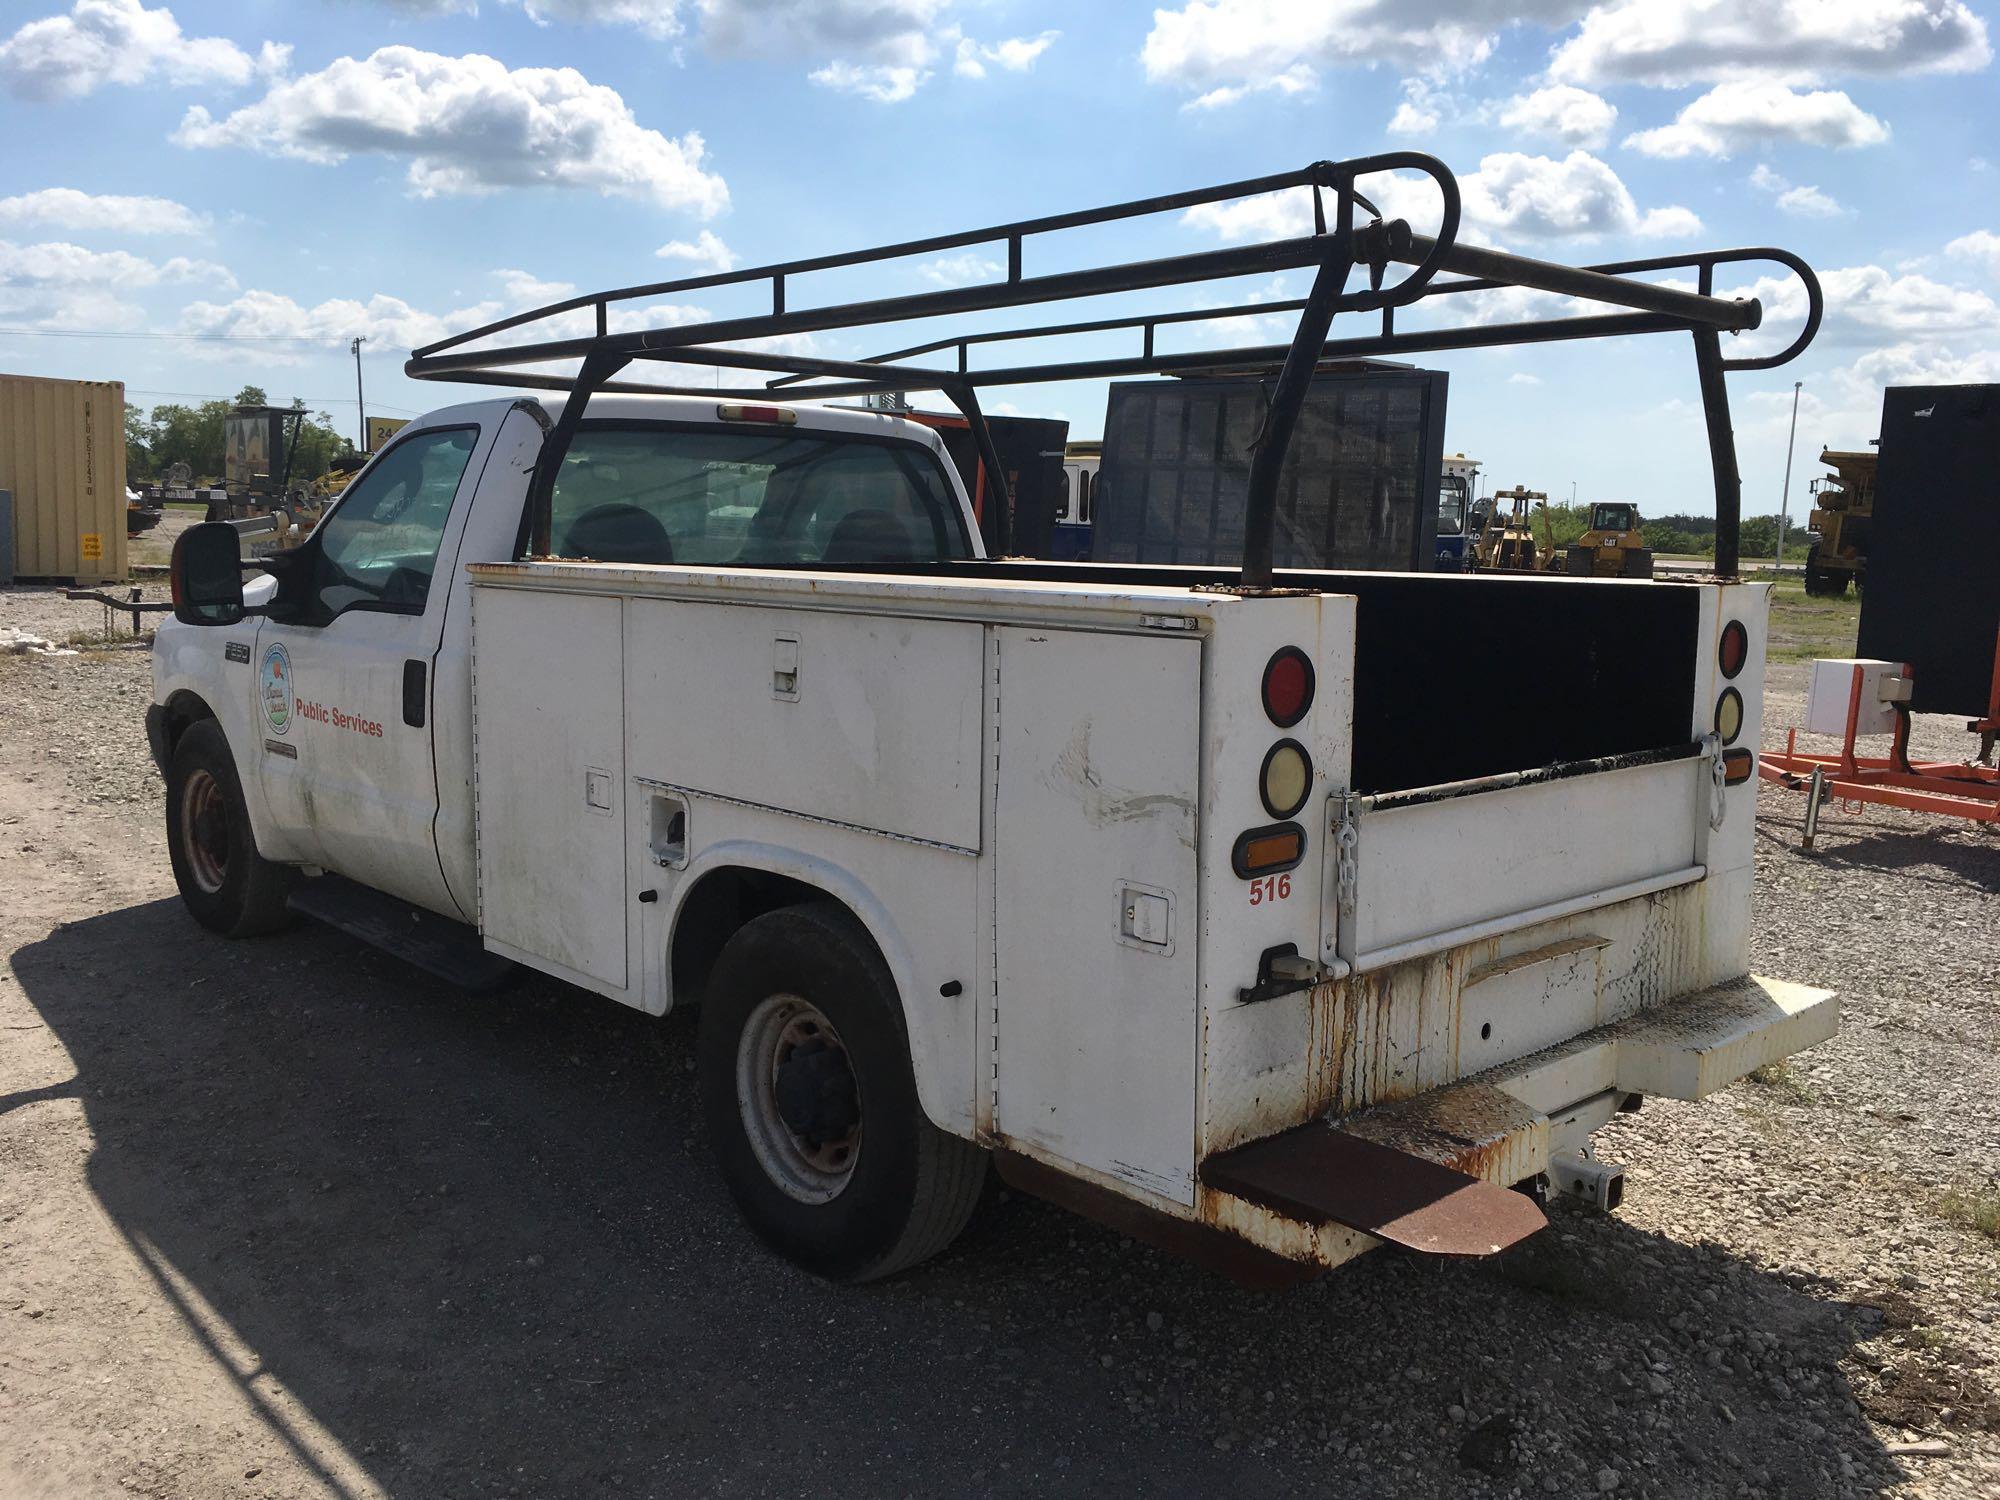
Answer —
(1738, 766)
(1268, 851)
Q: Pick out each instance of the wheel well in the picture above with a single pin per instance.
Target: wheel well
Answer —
(184, 709)
(714, 911)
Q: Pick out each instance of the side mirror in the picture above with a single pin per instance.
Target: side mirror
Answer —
(207, 575)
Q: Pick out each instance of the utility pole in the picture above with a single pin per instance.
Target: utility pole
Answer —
(1785, 496)
(361, 410)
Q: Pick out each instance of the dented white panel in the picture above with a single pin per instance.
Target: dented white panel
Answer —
(549, 780)
(1099, 764)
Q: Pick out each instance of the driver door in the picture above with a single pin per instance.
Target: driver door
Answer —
(343, 680)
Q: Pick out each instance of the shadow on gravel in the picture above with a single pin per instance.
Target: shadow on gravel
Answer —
(1962, 855)
(480, 1241)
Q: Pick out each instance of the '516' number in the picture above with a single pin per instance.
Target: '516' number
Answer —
(1270, 888)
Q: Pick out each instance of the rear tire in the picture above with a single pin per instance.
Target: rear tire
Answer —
(1819, 582)
(812, 1106)
(226, 884)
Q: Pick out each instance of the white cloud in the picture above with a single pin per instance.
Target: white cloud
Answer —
(54, 263)
(1532, 197)
(1015, 55)
(469, 125)
(525, 289)
(885, 83)
(67, 208)
(1867, 299)
(102, 42)
(1522, 377)
(381, 319)
(1220, 45)
(957, 270)
(1803, 200)
(1670, 43)
(1297, 79)
(1419, 113)
(705, 252)
(1748, 113)
(1982, 246)
(659, 19)
(1563, 113)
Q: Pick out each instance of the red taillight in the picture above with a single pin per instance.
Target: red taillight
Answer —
(1288, 686)
(1733, 649)
(731, 411)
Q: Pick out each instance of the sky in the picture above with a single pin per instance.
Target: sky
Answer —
(200, 196)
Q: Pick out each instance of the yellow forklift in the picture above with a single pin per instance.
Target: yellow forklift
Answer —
(1506, 541)
(1613, 547)
(1843, 514)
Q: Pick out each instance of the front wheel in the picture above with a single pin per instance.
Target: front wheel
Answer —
(812, 1106)
(226, 884)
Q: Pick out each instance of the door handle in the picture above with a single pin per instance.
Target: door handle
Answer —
(414, 696)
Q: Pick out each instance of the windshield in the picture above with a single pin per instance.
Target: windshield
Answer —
(1451, 505)
(1611, 518)
(772, 496)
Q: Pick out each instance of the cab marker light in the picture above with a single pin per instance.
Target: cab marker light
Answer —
(1268, 851)
(732, 411)
(1729, 715)
(1738, 766)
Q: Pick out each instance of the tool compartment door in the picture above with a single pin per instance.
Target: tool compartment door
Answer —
(1437, 866)
(1096, 928)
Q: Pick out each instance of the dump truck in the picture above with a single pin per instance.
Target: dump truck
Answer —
(1178, 894)
(1842, 523)
(1612, 546)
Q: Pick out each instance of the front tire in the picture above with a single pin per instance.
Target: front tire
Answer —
(226, 884)
(812, 1106)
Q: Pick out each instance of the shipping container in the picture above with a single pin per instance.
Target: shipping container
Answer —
(62, 453)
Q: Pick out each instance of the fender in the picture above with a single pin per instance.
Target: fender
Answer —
(942, 1040)
(191, 659)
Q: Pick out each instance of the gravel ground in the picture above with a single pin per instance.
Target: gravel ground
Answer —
(284, 1219)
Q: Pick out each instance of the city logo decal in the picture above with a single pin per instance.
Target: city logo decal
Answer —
(274, 689)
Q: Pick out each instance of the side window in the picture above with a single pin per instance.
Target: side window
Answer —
(379, 546)
(1062, 498)
(1084, 497)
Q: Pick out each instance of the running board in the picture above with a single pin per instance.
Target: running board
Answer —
(1319, 1174)
(442, 948)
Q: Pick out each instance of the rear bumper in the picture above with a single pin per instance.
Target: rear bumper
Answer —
(1320, 1190)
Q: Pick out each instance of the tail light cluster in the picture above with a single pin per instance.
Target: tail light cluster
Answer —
(1284, 781)
(1732, 651)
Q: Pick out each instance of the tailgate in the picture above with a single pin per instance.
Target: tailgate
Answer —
(1420, 871)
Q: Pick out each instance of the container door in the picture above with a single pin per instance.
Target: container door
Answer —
(1095, 918)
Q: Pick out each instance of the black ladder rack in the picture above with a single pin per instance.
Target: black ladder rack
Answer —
(1337, 247)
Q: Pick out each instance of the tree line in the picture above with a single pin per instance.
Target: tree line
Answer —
(158, 439)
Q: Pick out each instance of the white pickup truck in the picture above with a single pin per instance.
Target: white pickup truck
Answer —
(1270, 921)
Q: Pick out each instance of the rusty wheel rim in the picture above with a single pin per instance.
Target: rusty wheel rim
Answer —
(799, 1099)
(204, 816)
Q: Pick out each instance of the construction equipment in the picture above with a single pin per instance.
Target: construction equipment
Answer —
(1842, 522)
(1507, 541)
(1613, 547)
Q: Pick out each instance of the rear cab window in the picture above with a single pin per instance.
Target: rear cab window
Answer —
(659, 492)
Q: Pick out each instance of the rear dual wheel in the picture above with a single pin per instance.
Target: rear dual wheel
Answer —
(812, 1104)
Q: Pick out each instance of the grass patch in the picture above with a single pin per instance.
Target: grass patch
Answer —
(1784, 1080)
(1804, 628)
(1979, 1212)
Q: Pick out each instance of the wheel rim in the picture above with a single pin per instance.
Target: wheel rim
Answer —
(205, 830)
(799, 1099)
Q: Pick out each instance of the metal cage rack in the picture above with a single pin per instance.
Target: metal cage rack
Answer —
(1337, 247)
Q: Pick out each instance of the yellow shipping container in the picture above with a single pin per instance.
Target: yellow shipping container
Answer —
(62, 453)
